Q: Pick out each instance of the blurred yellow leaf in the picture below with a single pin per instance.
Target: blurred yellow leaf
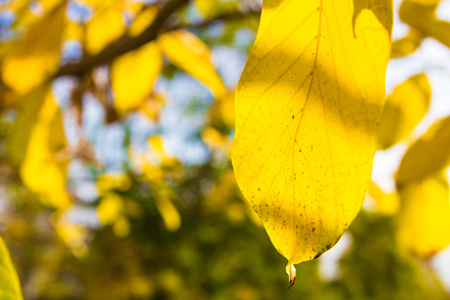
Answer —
(9, 283)
(222, 112)
(403, 110)
(41, 171)
(169, 213)
(424, 219)
(36, 56)
(110, 208)
(74, 235)
(307, 107)
(29, 106)
(105, 26)
(421, 15)
(407, 44)
(386, 203)
(107, 182)
(189, 53)
(216, 140)
(208, 8)
(122, 227)
(142, 21)
(152, 107)
(133, 75)
(427, 155)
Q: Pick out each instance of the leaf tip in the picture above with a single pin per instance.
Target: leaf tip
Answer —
(292, 272)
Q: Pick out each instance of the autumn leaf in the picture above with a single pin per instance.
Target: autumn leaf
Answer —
(427, 155)
(36, 56)
(186, 51)
(403, 110)
(386, 203)
(133, 75)
(9, 283)
(421, 15)
(307, 107)
(41, 171)
(424, 218)
(407, 44)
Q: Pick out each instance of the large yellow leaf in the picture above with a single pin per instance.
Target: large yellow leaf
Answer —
(186, 51)
(424, 219)
(307, 106)
(404, 109)
(9, 281)
(426, 156)
(133, 75)
(32, 60)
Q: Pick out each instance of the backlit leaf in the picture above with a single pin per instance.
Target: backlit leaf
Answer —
(36, 56)
(186, 51)
(407, 44)
(105, 26)
(421, 15)
(9, 282)
(424, 219)
(133, 75)
(307, 107)
(41, 171)
(426, 156)
(403, 110)
(386, 203)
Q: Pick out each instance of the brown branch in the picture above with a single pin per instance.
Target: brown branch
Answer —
(127, 43)
(123, 44)
(225, 17)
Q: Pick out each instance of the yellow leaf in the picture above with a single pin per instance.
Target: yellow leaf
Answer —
(107, 182)
(186, 51)
(142, 21)
(29, 106)
(428, 155)
(110, 209)
(407, 44)
(41, 172)
(386, 203)
(36, 56)
(216, 140)
(169, 213)
(152, 107)
(421, 15)
(9, 282)
(403, 110)
(74, 235)
(307, 107)
(105, 26)
(424, 219)
(133, 75)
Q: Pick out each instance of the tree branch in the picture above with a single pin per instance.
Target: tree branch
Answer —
(223, 17)
(127, 43)
(123, 44)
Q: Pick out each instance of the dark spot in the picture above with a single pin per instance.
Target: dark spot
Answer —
(313, 229)
(328, 247)
(318, 255)
(292, 116)
(259, 190)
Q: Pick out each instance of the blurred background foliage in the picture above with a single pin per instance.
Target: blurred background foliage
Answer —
(116, 120)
